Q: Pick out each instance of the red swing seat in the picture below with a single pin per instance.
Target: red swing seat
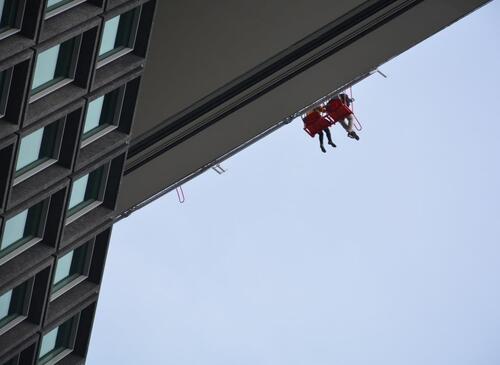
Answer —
(314, 123)
(337, 110)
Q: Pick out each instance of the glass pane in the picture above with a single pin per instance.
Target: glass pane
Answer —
(55, 341)
(14, 229)
(21, 228)
(69, 267)
(117, 34)
(109, 35)
(52, 66)
(101, 113)
(78, 191)
(37, 147)
(54, 4)
(11, 304)
(8, 12)
(45, 69)
(93, 118)
(63, 269)
(29, 150)
(85, 190)
(48, 342)
(5, 300)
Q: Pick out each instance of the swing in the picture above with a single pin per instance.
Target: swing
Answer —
(337, 110)
(314, 123)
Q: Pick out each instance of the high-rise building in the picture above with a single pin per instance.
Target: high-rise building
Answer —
(69, 78)
(76, 156)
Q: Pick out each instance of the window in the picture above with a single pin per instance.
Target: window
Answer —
(9, 21)
(102, 116)
(14, 305)
(87, 193)
(37, 151)
(58, 343)
(55, 7)
(118, 36)
(55, 67)
(22, 229)
(71, 269)
(5, 78)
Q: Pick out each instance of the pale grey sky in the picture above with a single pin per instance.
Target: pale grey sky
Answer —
(385, 251)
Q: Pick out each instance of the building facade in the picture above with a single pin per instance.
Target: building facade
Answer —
(70, 72)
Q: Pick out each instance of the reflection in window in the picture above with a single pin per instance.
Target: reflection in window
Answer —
(8, 14)
(12, 304)
(53, 66)
(101, 113)
(69, 267)
(21, 229)
(37, 148)
(56, 342)
(85, 191)
(117, 34)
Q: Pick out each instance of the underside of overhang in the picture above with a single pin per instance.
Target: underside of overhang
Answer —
(238, 83)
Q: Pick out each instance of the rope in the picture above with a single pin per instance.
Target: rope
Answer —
(352, 100)
(180, 194)
(357, 125)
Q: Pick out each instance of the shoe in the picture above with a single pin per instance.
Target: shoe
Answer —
(332, 144)
(353, 135)
(323, 149)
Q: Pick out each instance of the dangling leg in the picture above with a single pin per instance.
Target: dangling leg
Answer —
(350, 127)
(321, 137)
(344, 125)
(329, 137)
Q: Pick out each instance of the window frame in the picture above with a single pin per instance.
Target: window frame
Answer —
(38, 237)
(116, 116)
(65, 351)
(66, 80)
(21, 5)
(5, 90)
(100, 195)
(21, 317)
(55, 153)
(101, 62)
(62, 8)
(88, 246)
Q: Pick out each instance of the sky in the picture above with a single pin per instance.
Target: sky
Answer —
(383, 251)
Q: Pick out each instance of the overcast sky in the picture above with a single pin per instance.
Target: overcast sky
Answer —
(383, 251)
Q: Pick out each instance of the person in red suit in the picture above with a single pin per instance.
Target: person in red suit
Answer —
(348, 121)
(315, 120)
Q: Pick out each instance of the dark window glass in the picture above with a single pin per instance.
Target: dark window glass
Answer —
(12, 304)
(85, 190)
(53, 65)
(20, 229)
(37, 148)
(101, 113)
(117, 34)
(56, 4)
(8, 14)
(69, 267)
(56, 341)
